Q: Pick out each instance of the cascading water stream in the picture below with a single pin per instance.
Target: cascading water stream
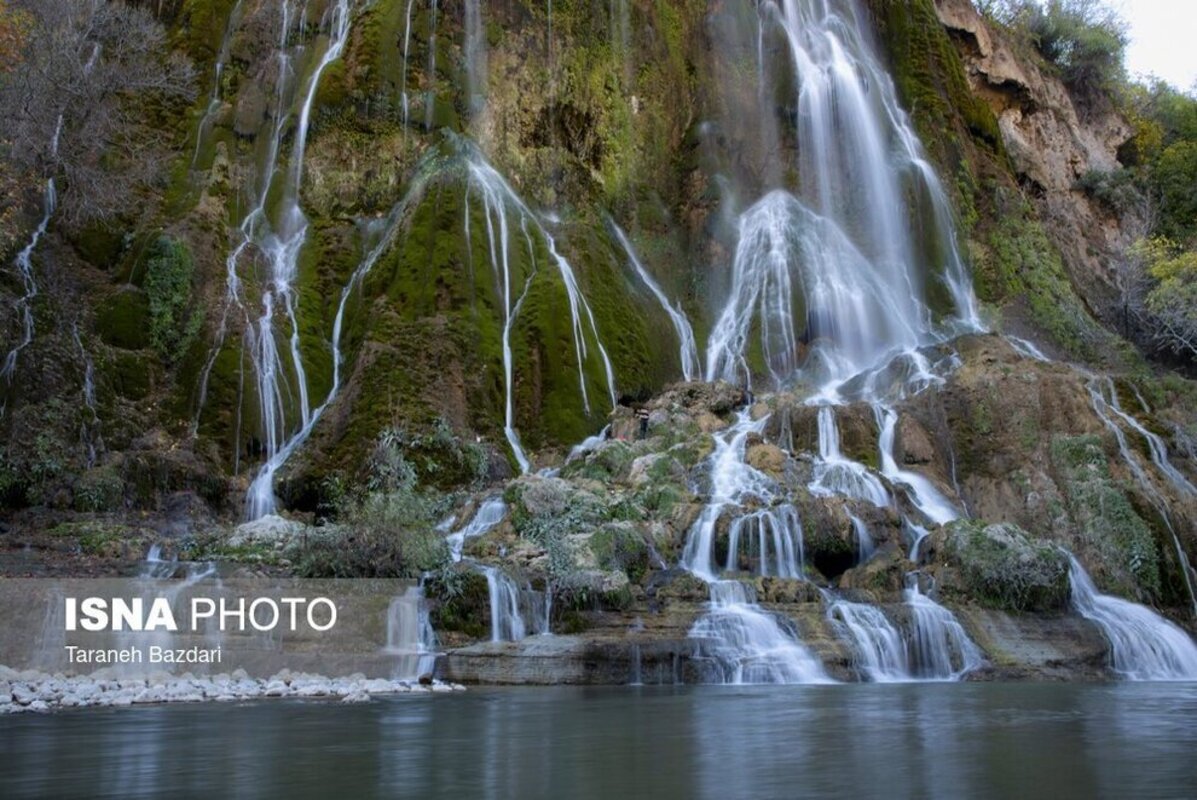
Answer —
(404, 100)
(410, 636)
(1143, 645)
(510, 606)
(831, 274)
(430, 95)
(215, 100)
(24, 264)
(687, 349)
(744, 643)
(939, 647)
(280, 240)
(835, 474)
(282, 248)
(922, 492)
(474, 52)
(498, 200)
(880, 648)
(1107, 411)
(89, 432)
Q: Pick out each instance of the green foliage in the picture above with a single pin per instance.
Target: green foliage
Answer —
(1004, 568)
(622, 548)
(1109, 526)
(99, 489)
(384, 535)
(174, 319)
(1117, 189)
(1172, 301)
(123, 320)
(433, 456)
(1174, 179)
(550, 514)
(1084, 39)
(389, 532)
(460, 601)
(1020, 263)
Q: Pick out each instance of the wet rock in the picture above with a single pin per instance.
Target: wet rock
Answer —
(272, 530)
(767, 458)
(1001, 566)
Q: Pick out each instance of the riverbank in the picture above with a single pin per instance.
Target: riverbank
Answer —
(34, 691)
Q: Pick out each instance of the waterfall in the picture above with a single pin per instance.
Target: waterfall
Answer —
(940, 649)
(430, 78)
(403, 96)
(687, 349)
(731, 479)
(864, 540)
(834, 474)
(1143, 645)
(1026, 349)
(282, 248)
(506, 619)
(215, 100)
(880, 650)
(743, 642)
(831, 273)
(498, 199)
(772, 539)
(1159, 455)
(410, 635)
(748, 645)
(489, 515)
(475, 58)
(24, 264)
(922, 492)
(510, 606)
(280, 240)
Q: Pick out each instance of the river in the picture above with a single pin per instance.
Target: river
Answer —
(916, 740)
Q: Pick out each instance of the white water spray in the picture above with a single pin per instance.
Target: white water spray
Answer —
(687, 349)
(1143, 645)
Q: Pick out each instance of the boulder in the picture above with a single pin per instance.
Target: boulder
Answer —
(272, 530)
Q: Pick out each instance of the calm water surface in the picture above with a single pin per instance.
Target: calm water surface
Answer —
(940, 740)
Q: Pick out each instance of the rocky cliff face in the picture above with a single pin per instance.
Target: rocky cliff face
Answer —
(1052, 145)
(436, 219)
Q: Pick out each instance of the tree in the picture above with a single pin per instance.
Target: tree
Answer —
(14, 27)
(1084, 39)
(84, 103)
(1173, 302)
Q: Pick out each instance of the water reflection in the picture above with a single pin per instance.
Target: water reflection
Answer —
(949, 741)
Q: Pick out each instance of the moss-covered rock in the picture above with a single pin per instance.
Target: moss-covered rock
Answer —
(123, 320)
(1001, 566)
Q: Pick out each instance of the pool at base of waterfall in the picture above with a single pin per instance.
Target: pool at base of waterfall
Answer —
(929, 740)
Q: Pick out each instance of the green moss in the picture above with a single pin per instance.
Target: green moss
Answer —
(621, 548)
(174, 317)
(130, 375)
(1110, 527)
(1017, 263)
(1002, 567)
(460, 602)
(123, 320)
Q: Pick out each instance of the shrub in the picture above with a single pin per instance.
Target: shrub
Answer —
(1085, 40)
(384, 535)
(174, 321)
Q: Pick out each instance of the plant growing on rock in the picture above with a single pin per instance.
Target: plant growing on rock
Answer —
(174, 318)
(1002, 566)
